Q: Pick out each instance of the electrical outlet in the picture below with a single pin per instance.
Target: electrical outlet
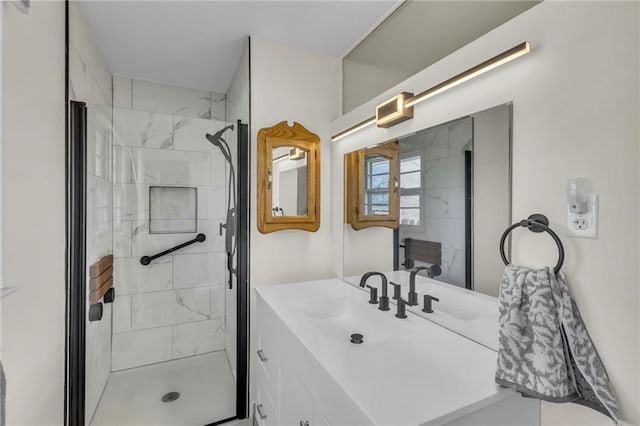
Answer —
(584, 225)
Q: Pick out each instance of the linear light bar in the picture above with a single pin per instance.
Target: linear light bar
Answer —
(361, 125)
(501, 59)
(498, 60)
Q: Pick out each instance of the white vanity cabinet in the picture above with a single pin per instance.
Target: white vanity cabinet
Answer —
(281, 399)
(407, 372)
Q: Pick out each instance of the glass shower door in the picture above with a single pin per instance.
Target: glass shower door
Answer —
(158, 346)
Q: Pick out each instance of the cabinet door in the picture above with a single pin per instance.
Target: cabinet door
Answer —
(296, 406)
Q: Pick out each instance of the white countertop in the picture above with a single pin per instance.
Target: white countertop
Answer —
(408, 371)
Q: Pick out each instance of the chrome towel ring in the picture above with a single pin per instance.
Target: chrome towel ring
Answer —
(535, 223)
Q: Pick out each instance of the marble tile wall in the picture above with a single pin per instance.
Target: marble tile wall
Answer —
(174, 307)
(443, 197)
(151, 97)
(90, 82)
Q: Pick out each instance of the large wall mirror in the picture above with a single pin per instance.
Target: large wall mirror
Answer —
(454, 202)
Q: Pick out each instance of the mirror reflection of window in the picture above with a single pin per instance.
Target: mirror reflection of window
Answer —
(290, 174)
(376, 169)
(410, 189)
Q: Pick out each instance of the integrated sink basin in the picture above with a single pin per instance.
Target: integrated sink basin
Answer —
(335, 319)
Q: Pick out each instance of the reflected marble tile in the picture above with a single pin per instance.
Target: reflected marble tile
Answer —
(436, 202)
(168, 167)
(141, 347)
(449, 232)
(163, 98)
(456, 202)
(198, 338)
(438, 138)
(444, 173)
(121, 313)
(122, 92)
(131, 277)
(453, 270)
(142, 129)
(460, 135)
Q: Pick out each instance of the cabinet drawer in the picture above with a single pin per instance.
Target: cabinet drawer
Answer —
(266, 412)
(267, 355)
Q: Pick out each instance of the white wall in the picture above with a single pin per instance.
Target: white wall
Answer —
(33, 179)
(576, 113)
(294, 85)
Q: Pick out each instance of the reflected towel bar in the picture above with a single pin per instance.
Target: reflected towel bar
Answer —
(145, 260)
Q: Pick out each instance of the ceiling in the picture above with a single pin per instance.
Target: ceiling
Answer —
(198, 44)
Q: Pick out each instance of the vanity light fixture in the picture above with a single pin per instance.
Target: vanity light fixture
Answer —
(296, 154)
(501, 59)
(392, 117)
(394, 110)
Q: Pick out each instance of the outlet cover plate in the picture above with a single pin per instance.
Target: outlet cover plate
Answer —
(584, 225)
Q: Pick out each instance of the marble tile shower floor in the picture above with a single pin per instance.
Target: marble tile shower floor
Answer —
(206, 386)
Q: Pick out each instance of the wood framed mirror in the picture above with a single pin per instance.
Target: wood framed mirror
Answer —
(372, 187)
(288, 178)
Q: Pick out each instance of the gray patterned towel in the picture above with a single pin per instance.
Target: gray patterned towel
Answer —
(544, 348)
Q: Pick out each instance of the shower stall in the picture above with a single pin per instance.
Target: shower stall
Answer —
(158, 210)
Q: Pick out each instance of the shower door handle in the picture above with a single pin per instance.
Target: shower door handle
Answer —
(261, 356)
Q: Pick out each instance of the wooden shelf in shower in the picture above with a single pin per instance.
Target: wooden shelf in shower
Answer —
(95, 296)
(100, 266)
(101, 278)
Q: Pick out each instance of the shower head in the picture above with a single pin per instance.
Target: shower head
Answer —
(215, 138)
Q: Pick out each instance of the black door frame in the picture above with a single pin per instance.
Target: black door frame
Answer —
(75, 318)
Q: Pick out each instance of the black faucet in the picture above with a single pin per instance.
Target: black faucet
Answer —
(427, 303)
(373, 295)
(397, 288)
(384, 299)
(412, 299)
(432, 271)
(401, 312)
